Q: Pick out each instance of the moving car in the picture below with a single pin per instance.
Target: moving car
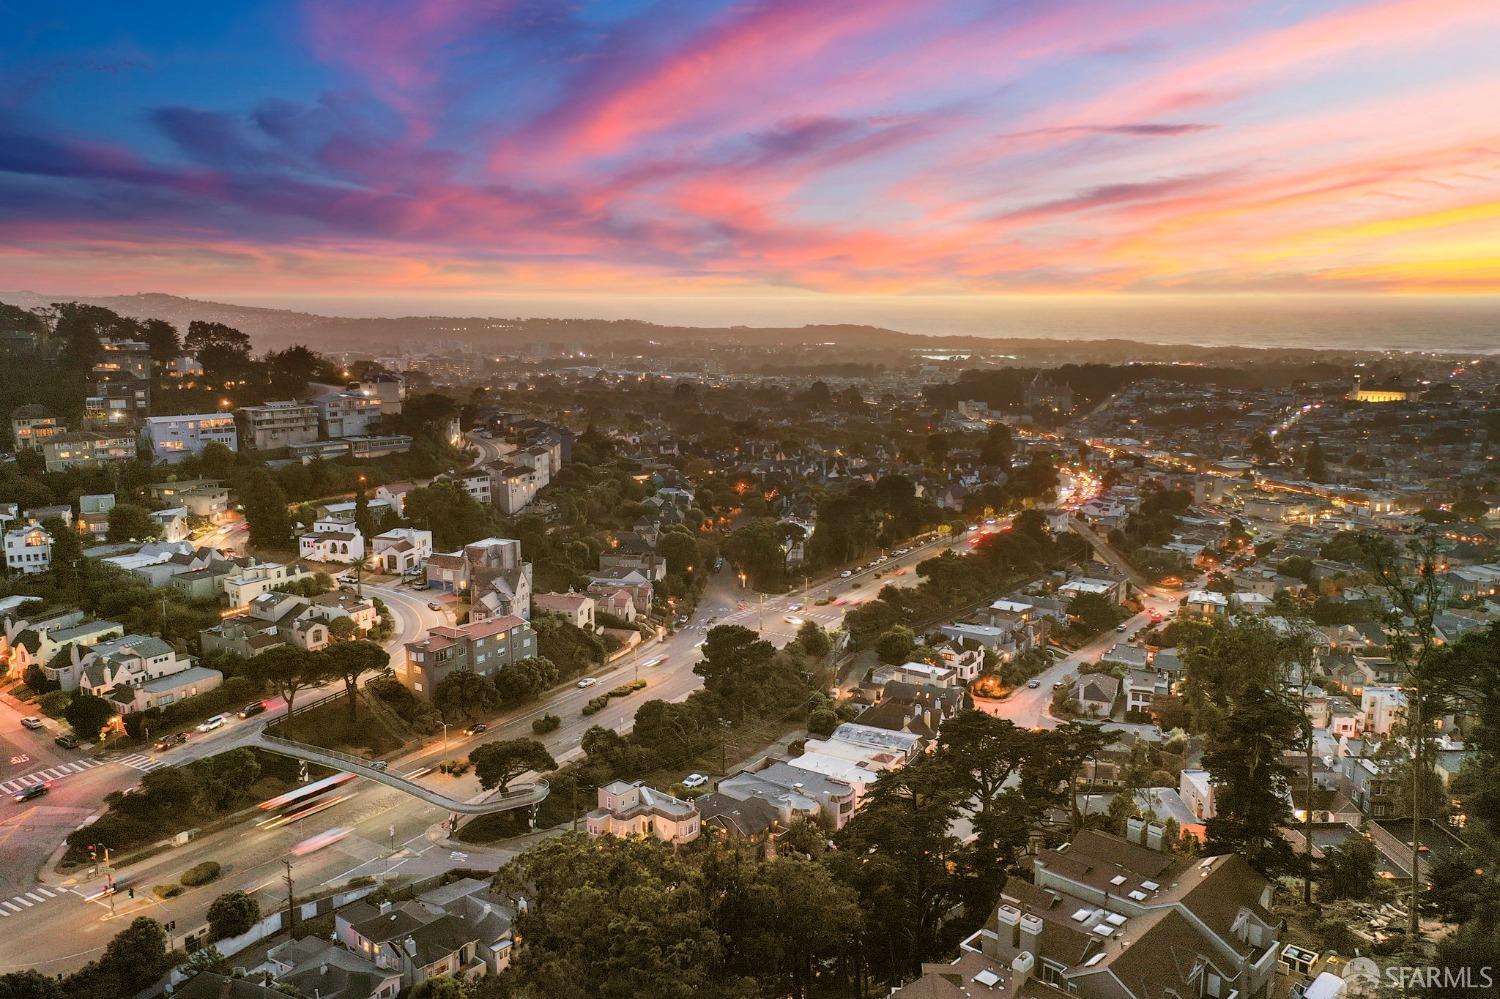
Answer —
(209, 724)
(67, 741)
(476, 728)
(34, 791)
(166, 742)
(587, 681)
(793, 619)
(434, 605)
(694, 780)
(252, 709)
(1033, 684)
(32, 722)
(1121, 629)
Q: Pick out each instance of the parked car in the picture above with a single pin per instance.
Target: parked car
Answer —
(252, 709)
(166, 742)
(1033, 684)
(587, 681)
(1121, 629)
(67, 741)
(32, 722)
(34, 791)
(434, 605)
(846, 574)
(209, 724)
(420, 584)
(476, 728)
(694, 780)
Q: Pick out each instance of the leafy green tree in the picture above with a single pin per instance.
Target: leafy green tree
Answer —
(162, 340)
(733, 657)
(622, 919)
(67, 554)
(265, 507)
(1314, 465)
(1347, 870)
(439, 987)
(133, 961)
(496, 764)
(998, 446)
(1256, 719)
(288, 670)
(351, 660)
(1094, 613)
(447, 510)
(900, 856)
(29, 985)
(465, 695)
(87, 714)
(128, 522)
(231, 914)
(757, 547)
(814, 640)
(896, 645)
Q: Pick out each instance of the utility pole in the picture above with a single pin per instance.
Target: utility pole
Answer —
(291, 904)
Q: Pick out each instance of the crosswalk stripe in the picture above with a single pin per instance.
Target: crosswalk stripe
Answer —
(34, 897)
(18, 898)
(11, 906)
(46, 892)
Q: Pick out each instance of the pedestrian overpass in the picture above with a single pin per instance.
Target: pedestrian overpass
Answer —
(523, 796)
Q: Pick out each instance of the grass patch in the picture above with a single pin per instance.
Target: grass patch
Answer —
(495, 826)
(329, 727)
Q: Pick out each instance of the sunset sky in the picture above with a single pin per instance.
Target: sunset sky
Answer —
(451, 151)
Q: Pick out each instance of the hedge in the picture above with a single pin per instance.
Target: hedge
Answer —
(545, 724)
(200, 874)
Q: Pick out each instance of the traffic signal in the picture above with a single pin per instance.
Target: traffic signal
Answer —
(93, 852)
(130, 892)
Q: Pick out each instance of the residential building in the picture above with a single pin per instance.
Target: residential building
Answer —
(1106, 918)
(793, 792)
(606, 581)
(401, 549)
(575, 608)
(87, 449)
(28, 549)
(332, 539)
(1205, 604)
(137, 672)
(347, 414)
(408, 939)
(1096, 694)
(1382, 708)
(377, 445)
(173, 438)
(258, 578)
(485, 647)
(278, 424)
(31, 426)
(515, 486)
(637, 810)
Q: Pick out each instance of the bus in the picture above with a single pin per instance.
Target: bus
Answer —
(310, 799)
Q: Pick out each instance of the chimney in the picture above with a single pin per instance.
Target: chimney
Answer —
(1031, 934)
(1154, 834)
(385, 907)
(1008, 924)
(1023, 964)
(1135, 830)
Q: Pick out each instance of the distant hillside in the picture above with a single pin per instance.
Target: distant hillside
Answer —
(277, 328)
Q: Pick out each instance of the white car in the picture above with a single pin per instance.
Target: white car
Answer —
(587, 681)
(209, 724)
(793, 619)
(694, 780)
(795, 607)
(846, 574)
(32, 722)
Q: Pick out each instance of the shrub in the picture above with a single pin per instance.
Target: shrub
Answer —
(454, 768)
(168, 891)
(626, 689)
(596, 704)
(54, 703)
(822, 721)
(231, 914)
(545, 724)
(200, 874)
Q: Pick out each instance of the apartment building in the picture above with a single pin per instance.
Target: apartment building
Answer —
(31, 426)
(278, 424)
(173, 438)
(347, 414)
(485, 648)
(515, 486)
(88, 449)
(1107, 918)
